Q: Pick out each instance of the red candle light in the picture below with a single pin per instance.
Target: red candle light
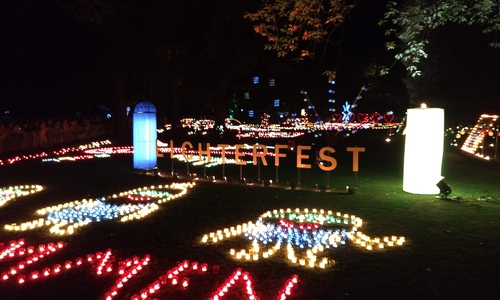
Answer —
(21, 279)
(57, 268)
(79, 261)
(215, 269)
(185, 282)
(68, 264)
(35, 275)
(46, 272)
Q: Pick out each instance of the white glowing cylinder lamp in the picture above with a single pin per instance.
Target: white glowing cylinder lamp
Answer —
(144, 136)
(423, 155)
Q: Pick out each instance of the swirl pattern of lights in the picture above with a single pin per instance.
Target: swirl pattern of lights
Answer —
(10, 193)
(66, 218)
(306, 231)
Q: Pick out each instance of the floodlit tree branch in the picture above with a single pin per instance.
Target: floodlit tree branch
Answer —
(92, 12)
(299, 26)
(410, 23)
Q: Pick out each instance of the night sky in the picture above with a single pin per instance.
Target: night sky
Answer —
(53, 63)
(48, 62)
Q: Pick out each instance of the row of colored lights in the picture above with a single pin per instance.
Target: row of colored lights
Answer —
(104, 152)
(56, 152)
(313, 126)
(66, 218)
(286, 226)
(67, 158)
(10, 193)
(270, 134)
(217, 151)
(214, 161)
(110, 150)
(195, 123)
(147, 195)
(192, 155)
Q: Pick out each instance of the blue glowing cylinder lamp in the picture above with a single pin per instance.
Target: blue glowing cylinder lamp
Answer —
(423, 150)
(144, 136)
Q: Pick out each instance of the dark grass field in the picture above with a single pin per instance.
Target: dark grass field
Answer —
(452, 248)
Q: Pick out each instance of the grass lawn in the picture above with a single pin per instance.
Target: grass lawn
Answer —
(452, 248)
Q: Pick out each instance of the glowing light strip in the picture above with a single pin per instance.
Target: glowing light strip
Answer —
(10, 193)
(60, 152)
(273, 229)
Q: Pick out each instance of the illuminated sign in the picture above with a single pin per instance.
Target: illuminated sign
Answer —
(259, 152)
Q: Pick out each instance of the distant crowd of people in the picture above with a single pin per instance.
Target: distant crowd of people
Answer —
(49, 132)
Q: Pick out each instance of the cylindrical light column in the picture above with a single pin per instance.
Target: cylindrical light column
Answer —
(144, 136)
(423, 150)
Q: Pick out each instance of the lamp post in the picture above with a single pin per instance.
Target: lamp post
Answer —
(144, 136)
(423, 150)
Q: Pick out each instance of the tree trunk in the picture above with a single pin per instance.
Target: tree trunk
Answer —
(221, 108)
(122, 128)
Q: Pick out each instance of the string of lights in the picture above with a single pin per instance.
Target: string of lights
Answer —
(10, 193)
(56, 153)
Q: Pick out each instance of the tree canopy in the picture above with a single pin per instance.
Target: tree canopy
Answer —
(299, 26)
(409, 25)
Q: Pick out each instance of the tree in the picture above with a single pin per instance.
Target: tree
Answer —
(426, 36)
(292, 26)
(144, 54)
(230, 53)
(412, 22)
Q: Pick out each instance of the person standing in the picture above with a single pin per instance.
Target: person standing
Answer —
(3, 134)
(43, 131)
